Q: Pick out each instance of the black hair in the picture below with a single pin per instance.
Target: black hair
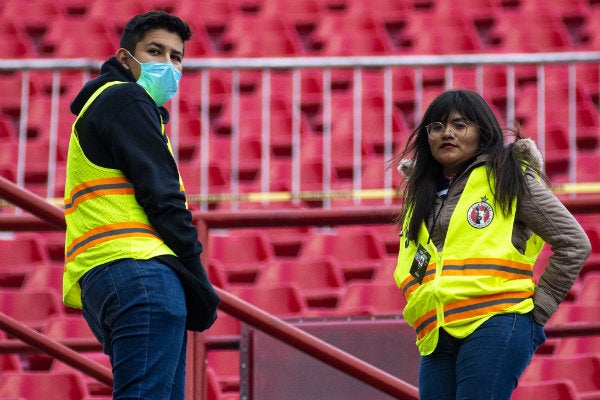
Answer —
(421, 190)
(139, 25)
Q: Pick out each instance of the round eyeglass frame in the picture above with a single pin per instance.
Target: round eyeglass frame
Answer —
(448, 126)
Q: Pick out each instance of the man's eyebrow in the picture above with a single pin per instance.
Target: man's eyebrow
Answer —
(163, 47)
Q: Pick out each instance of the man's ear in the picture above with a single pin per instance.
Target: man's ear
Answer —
(123, 57)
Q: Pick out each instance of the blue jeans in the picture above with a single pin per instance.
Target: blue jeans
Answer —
(137, 311)
(485, 365)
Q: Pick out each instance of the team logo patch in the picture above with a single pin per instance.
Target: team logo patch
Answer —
(480, 214)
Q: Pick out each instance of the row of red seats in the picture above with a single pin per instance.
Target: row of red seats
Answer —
(363, 302)
(232, 7)
(582, 351)
(226, 30)
(309, 257)
(313, 286)
(566, 377)
(72, 385)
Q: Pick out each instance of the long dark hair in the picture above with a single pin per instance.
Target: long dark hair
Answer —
(421, 189)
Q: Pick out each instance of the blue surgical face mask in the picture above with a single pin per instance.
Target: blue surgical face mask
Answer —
(161, 80)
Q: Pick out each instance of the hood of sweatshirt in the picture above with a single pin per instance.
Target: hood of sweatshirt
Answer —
(110, 71)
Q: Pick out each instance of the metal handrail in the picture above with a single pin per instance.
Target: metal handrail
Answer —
(403, 60)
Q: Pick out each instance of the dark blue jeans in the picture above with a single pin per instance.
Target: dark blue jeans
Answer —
(137, 311)
(485, 365)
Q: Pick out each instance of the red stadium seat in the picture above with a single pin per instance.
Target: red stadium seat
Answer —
(213, 390)
(213, 387)
(265, 45)
(592, 264)
(556, 159)
(48, 277)
(79, 47)
(218, 177)
(590, 289)
(558, 389)
(114, 9)
(93, 386)
(14, 46)
(373, 122)
(242, 38)
(320, 279)
(312, 148)
(446, 34)
(11, 86)
(67, 327)
(287, 241)
(343, 45)
(539, 31)
(224, 326)
(86, 28)
(10, 362)
(371, 298)
(283, 300)
(42, 385)
(374, 170)
(213, 15)
(8, 130)
(240, 254)
(30, 307)
(379, 8)
(577, 345)
(359, 251)
(248, 160)
(574, 313)
(328, 35)
(60, 327)
(33, 18)
(310, 173)
(583, 370)
(303, 15)
(21, 255)
(226, 367)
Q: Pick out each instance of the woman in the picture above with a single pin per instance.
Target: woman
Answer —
(475, 216)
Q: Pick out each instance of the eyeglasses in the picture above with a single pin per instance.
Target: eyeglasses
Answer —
(435, 130)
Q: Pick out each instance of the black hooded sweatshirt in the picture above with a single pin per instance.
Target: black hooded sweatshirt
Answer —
(122, 130)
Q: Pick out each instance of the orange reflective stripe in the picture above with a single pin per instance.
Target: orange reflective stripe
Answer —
(108, 232)
(425, 323)
(469, 308)
(408, 286)
(483, 305)
(97, 188)
(487, 267)
(410, 283)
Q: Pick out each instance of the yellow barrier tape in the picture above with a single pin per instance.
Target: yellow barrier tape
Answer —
(583, 187)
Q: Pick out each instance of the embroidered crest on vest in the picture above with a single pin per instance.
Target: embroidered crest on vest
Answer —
(480, 214)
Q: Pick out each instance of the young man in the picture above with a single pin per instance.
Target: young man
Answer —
(131, 251)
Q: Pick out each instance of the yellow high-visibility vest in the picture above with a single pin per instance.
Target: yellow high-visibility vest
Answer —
(104, 220)
(477, 274)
